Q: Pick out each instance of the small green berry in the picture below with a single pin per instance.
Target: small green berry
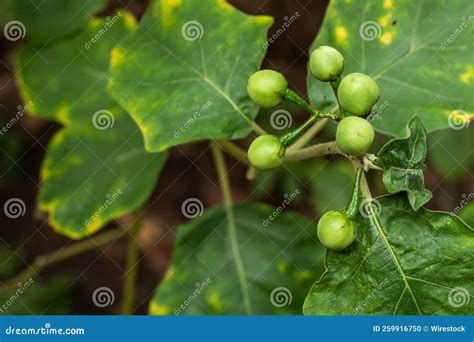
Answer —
(354, 135)
(326, 63)
(267, 88)
(336, 231)
(357, 93)
(266, 152)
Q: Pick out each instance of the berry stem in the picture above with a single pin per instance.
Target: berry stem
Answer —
(293, 97)
(353, 206)
(289, 137)
(335, 86)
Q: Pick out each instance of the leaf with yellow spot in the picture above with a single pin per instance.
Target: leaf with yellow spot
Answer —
(96, 168)
(186, 76)
(285, 253)
(419, 52)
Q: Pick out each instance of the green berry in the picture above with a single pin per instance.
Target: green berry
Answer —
(267, 88)
(357, 93)
(326, 63)
(354, 135)
(336, 231)
(266, 152)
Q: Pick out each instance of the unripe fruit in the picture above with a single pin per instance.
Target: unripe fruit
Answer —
(357, 93)
(354, 135)
(336, 231)
(326, 63)
(267, 88)
(266, 152)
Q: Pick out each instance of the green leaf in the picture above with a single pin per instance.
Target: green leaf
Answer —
(450, 152)
(403, 160)
(403, 262)
(44, 21)
(182, 74)
(281, 256)
(467, 213)
(404, 46)
(96, 169)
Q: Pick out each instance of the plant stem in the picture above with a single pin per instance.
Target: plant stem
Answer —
(353, 206)
(293, 97)
(131, 267)
(317, 150)
(364, 188)
(234, 151)
(335, 86)
(227, 194)
(76, 248)
(308, 135)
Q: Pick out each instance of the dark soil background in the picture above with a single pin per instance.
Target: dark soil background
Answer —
(26, 143)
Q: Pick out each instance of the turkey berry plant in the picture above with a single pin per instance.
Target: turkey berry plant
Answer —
(151, 82)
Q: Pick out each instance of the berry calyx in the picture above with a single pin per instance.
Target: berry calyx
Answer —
(266, 152)
(336, 230)
(267, 88)
(354, 135)
(326, 63)
(357, 93)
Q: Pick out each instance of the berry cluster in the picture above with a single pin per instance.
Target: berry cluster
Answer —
(356, 94)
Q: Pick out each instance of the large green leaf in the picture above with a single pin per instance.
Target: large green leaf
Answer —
(43, 21)
(402, 262)
(451, 152)
(404, 46)
(278, 259)
(182, 74)
(403, 160)
(96, 168)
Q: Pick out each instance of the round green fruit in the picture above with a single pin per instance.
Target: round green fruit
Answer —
(336, 231)
(267, 88)
(357, 93)
(326, 63)
(354, 135)
(266, 152)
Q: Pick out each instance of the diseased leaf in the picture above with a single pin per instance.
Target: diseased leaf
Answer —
(407, 47)
(403, 160)
(402, 263)
(279, 259)
(182, 76)
(96, 168)
(44, 21)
